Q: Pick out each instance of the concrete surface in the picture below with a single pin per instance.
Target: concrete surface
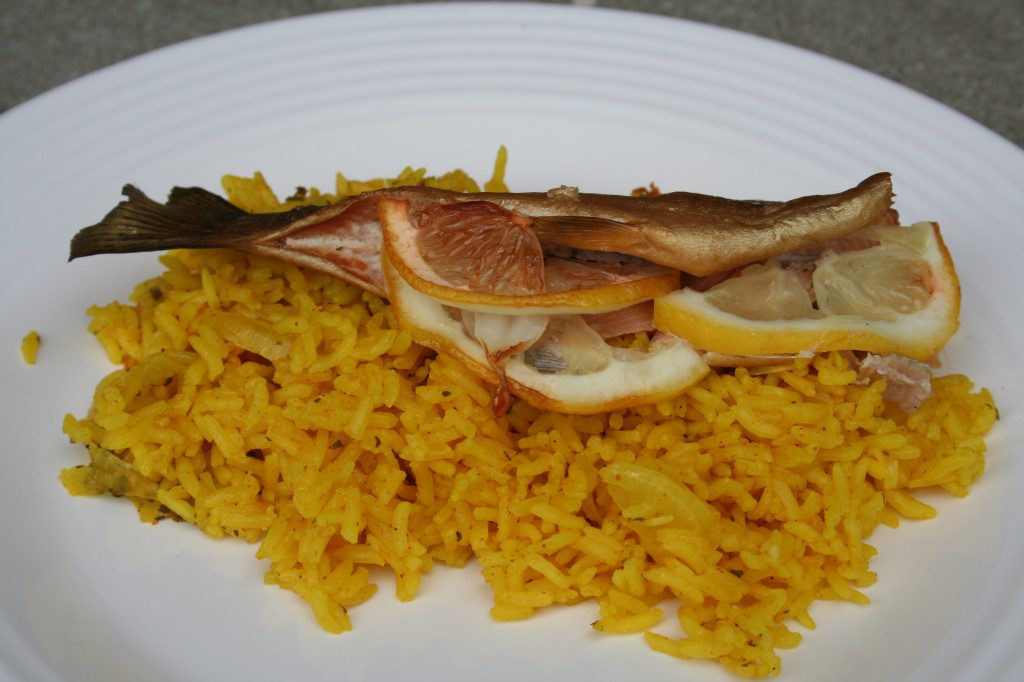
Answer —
(968, 54)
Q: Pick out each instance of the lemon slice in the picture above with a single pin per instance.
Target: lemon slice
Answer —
(901, 295)
(568, 369)
(478, 256)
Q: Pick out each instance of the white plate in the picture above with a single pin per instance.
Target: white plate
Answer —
(604, 100)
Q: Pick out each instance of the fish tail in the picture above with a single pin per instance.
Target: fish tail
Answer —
(191, 218)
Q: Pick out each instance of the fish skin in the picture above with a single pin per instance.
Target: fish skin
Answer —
(703, 235)
(694, 233)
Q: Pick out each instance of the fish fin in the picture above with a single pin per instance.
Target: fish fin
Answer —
(191, 218)
(587, 232)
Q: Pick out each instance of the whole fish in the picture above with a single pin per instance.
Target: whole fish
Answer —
(692, 233)
(510, 247)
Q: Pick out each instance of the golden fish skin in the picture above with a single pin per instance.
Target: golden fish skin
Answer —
(702, 235)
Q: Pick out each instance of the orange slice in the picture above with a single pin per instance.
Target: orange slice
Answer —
(479, 256)
(566, 370)
(900, 296)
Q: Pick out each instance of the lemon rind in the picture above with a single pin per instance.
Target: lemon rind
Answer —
(663, 373)
(406, 259)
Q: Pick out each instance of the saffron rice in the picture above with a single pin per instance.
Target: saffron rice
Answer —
(279, 405)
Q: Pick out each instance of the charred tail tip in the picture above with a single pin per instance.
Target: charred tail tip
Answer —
(102, 237)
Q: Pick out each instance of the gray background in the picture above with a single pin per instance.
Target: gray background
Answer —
(968, 54)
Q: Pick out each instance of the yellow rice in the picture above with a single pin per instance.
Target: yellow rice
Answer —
(30, 347)
(308, 423)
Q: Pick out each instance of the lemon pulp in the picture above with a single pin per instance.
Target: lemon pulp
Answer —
(900, 295)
